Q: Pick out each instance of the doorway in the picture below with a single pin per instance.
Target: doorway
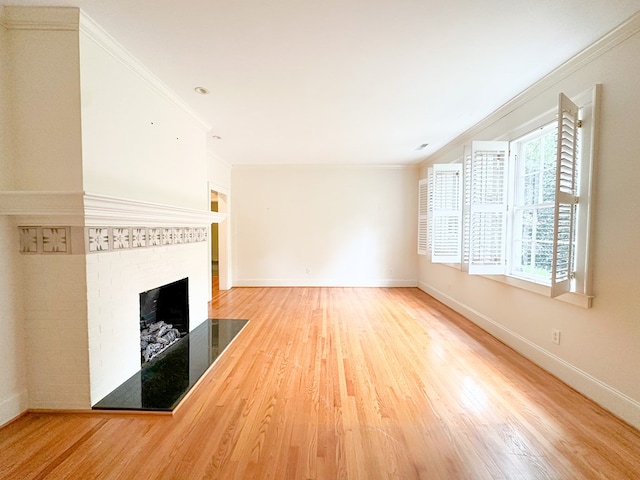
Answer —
(220, 263)
(215, 250)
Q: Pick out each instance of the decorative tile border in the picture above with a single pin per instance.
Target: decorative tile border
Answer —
(121, 239)
(28, 240)
(57, 240)
(46, 240)
(97, 239)
(102, 239)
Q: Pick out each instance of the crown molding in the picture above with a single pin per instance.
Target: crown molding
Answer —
(95, 210)
(41, 18)
(325, 166)
(610, 40)
(100, 37)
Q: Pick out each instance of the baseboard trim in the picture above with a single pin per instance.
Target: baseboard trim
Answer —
(13, 407)
(616, 402)
(301, 282)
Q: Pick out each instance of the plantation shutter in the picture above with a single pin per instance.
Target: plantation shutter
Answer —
(447, 213)
(488, 207)
(466, 207)
(429, 208)
(562, 267)
(423, 217)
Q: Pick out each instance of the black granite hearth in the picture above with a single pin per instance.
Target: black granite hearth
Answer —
(165, 380)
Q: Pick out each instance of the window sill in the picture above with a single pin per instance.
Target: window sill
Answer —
(578, 299)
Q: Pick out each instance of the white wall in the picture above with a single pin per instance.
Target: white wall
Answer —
(599, 353)
(218, 172)
(137, 142)
(324, 225)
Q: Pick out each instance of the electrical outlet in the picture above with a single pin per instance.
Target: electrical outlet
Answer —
(555, 336)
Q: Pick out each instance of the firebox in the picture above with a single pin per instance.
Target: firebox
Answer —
(164, 318)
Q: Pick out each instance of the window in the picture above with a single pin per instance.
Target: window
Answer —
(533, 204)
(520, 208)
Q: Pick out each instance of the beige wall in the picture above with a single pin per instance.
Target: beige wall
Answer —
(324, 225)
(6, 164)
(46, 110)
(46, 155)
(20, 95)
(13, 378)
(599, 353)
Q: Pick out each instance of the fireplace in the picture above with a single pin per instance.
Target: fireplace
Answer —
(164, 318)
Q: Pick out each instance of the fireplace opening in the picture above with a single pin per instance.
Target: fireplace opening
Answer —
(164, 318)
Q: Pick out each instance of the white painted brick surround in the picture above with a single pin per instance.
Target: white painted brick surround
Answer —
(56, 331)
(82, 333)
(114, 282)
(81, 305)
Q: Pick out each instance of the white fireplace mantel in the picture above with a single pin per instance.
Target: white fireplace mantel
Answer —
(86, 209)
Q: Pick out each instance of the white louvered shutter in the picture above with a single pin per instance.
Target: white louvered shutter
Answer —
(423, 218)
(562, 268)
(447, 213)
(429, 209)
(466, 207)
(488, 207)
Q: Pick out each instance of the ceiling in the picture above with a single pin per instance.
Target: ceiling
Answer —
(348, 81)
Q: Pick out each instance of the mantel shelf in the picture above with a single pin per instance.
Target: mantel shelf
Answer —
(86, 209)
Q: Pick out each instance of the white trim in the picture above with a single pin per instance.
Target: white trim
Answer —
(100, 37)
(224, 237)
(588, 192)
(320, 282)
(600, 47)
(215, 187)
(41, 18)
(578, 299)
(101, 209)
(98, 210)
(605, 395)
(13, 406)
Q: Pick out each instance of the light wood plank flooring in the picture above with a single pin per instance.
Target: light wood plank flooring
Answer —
(342, 383)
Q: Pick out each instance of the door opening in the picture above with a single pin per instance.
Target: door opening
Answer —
(215, 251)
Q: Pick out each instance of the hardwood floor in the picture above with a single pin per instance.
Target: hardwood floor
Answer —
(342, 383)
